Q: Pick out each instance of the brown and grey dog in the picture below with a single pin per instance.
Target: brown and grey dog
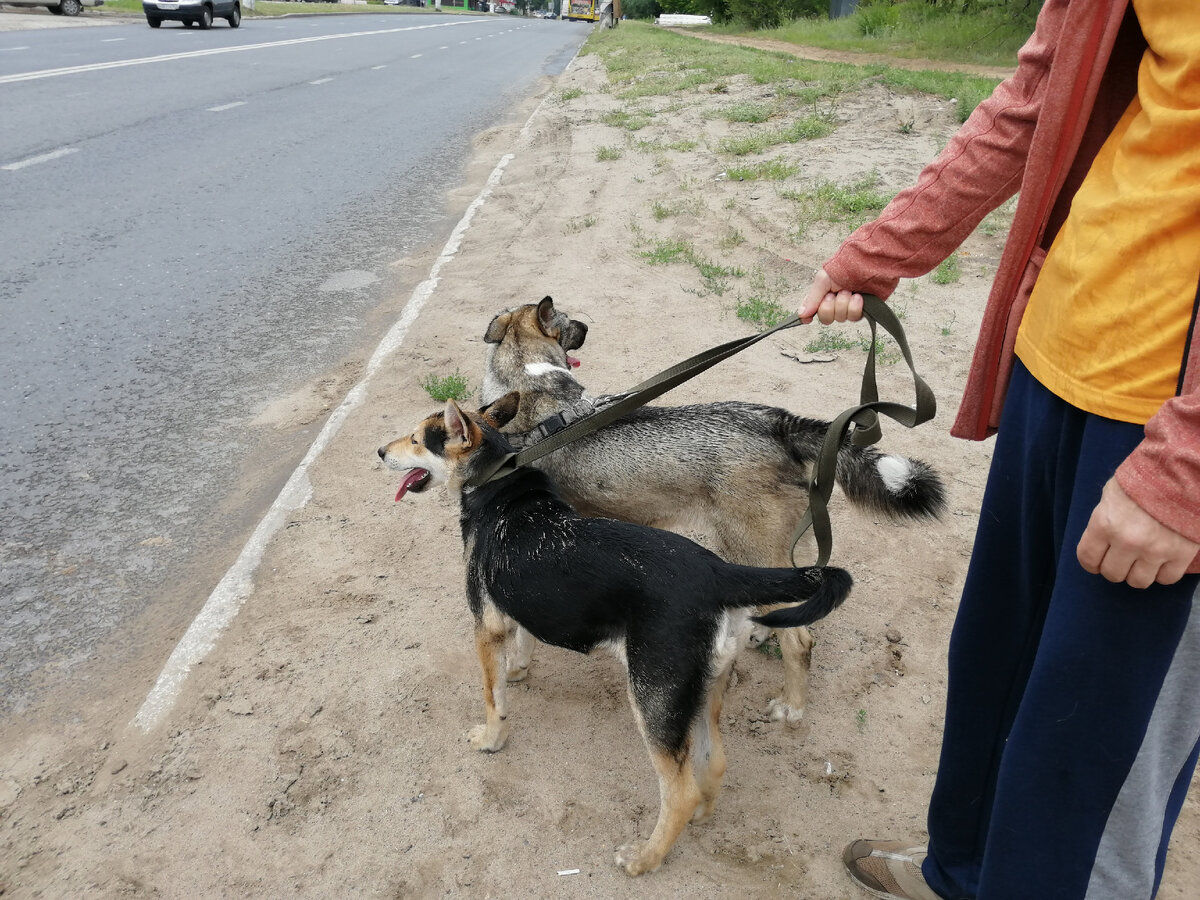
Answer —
(673, 612)
(736, 472)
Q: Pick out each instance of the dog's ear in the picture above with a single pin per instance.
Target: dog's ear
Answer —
(545, 315)
(500, 412)
(460, 427)
(497, 329)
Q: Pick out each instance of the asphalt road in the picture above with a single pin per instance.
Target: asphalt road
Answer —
(193, 224)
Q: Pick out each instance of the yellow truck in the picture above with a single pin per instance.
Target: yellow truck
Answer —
(608, 12)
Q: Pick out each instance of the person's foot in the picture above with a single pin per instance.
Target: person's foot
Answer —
(888, 869)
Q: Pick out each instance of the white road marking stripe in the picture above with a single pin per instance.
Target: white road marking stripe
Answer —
(11, 49)
(111, 40)
(415, 56)
(236, 586)
(378, 67)
(226, 106)
(321, 81)
(44, 157)
(213, 51)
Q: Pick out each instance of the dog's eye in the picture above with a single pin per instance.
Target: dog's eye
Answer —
(414, 440)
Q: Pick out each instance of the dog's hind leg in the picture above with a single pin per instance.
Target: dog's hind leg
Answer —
(709, 752)
(762, 537)
(795, 646)
(518, 652)
(490, 629)
(678, 798)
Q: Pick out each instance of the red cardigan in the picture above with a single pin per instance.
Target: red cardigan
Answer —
(1038, 134)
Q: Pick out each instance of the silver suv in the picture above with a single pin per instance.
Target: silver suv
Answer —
(192, 12)
(58, 7)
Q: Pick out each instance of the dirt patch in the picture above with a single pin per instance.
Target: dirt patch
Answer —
(320, 749)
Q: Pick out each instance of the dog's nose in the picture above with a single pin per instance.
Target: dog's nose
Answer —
(383, 452)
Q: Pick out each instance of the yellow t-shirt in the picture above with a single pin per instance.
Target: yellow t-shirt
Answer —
(1106, 325)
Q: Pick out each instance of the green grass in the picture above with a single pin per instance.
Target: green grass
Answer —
(849, 202)
(570, 94)
(665, 252)
(830, 340)
(578, 224)
(448, 387)
(714, 277)
(644, 61)
(607, 154)
(732, 238)
(762, 312)
(630, 121)
(806, 128)
(948, 271)
(771, 170)
(915, 30)
(745, 112)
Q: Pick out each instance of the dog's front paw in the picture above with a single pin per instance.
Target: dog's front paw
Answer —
(488, 741)
(757, 635)
(781, 711)
(634, 859)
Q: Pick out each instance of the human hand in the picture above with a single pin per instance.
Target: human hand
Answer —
(830, 302)
(1123, 542)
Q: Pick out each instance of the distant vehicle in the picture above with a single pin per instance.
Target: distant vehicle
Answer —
(591, 11)
(192, 12)
(58, 7)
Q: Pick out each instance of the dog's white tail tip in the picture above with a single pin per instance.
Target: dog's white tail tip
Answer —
(896, 472)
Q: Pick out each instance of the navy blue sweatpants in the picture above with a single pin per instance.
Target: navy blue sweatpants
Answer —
(1073, 706)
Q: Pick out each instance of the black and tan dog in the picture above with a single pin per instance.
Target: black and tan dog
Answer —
(674, 612)
(735, 472)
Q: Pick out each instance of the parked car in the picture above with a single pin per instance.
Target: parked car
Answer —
(58, 7)
(192, 12)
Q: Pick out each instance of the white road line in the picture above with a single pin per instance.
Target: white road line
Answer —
(443, 48)
(237, 585)
(213, 51)
(111, 40)
(11, 49)
(321, 81)
(44, 157)
(226, 106)
(378, 67)
(415, 56)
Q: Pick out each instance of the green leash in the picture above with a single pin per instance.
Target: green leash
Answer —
(864, 417)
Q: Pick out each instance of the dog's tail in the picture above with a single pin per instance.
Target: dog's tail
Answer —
(820, 591)
(896, 486)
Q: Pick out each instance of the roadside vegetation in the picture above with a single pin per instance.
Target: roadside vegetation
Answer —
(643, 61)
(755, 104)
(446, 387)
(982, 32)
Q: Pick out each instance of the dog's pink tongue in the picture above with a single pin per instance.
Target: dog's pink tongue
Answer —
(414, 476)
(573, 362)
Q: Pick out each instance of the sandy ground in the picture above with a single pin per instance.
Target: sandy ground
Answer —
(320, 750)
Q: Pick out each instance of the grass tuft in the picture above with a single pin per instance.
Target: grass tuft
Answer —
(447, 387)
